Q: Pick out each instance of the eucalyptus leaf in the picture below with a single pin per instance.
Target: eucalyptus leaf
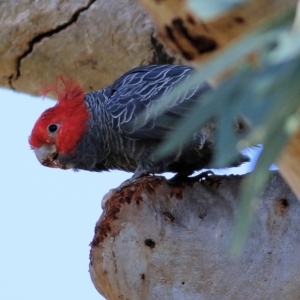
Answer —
(267, 97)
(276, 135)
(256, 40)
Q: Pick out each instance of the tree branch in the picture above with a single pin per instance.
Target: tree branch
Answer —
(156, 241)
(93, 41)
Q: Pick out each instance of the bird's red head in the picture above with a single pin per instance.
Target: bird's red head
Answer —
(60, 128)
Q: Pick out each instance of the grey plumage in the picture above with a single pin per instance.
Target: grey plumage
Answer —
(118, 139)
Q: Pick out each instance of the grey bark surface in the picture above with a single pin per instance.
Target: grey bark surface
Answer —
(92, 41)
(156, 241)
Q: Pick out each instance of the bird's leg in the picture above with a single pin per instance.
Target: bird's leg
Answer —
(139, 172)
(145, 169)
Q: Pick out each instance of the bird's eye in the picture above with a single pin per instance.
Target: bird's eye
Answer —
(52, 128)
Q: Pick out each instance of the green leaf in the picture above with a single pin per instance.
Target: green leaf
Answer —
(223, 61)
(276, 134)
(267, 97)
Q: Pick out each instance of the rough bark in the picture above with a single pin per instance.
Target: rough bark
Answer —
(93, 41)
(97, 41)
(197, 38)
(156, 241)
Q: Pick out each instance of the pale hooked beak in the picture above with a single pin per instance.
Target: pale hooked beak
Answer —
(47, 156)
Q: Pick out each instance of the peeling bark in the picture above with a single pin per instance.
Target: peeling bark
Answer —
(93, 41)
(197, 39)
(156, 241)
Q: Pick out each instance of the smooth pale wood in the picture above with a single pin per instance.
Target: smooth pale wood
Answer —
(156, 241)
(93, 41)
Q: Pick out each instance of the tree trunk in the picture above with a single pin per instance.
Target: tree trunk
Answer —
(93, 41)
(192, 29)
(158, 241)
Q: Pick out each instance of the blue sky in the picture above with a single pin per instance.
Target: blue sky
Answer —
(47, 216)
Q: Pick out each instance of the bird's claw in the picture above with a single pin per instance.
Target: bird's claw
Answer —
(178, 178)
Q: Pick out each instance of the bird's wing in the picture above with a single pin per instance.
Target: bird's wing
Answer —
(136, 92)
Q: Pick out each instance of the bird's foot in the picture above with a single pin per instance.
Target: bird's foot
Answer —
(179, 178)
(138, 174)
(202, 176)
(207, 176)
(129, 181)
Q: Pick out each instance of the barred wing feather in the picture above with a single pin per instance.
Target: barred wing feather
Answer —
(135, 93)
